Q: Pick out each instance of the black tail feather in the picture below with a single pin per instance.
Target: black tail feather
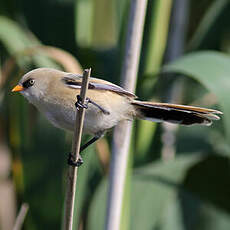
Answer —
(184, 115)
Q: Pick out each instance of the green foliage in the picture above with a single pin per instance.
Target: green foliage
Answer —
(92, 29)
(17, 40)
(208, 22)
(157, 36)
(212, 70)
(174, 195)
(12, 36)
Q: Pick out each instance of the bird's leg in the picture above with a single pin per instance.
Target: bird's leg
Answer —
(79, 104)
(87, 144)
(79, 162)
(106, 112)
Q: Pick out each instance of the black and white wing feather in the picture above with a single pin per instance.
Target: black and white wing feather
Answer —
(74, 81)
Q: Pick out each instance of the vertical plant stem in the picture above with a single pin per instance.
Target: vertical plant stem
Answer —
(122, 132)
(158, 24)
(72, 171)
(21, 217)
(175, 48)
(158, 35)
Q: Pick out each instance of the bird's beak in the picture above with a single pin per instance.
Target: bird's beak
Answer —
(17, 88)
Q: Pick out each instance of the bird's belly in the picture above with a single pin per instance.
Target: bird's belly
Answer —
(64, 119)
(95, 121)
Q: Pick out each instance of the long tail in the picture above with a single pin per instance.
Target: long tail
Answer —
(178, 114)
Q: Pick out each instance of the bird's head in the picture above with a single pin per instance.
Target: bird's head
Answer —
(36, 83)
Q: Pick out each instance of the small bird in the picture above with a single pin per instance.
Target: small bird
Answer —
(54, 93)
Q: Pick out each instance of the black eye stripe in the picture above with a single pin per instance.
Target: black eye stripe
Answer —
(28, 83)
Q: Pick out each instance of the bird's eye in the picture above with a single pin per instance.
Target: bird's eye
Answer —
(28, 83)
(31, 82)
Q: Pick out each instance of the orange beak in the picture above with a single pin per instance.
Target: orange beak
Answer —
(17, 88)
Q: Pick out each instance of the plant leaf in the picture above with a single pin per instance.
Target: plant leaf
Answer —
(211, 69)
(149, 196)
(174, 195)
(16, 40)
(206, 24)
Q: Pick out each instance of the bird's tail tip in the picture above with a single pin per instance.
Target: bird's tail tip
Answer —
(177, 114)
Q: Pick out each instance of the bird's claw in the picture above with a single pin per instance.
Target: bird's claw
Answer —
(71, 161)
(79, 103)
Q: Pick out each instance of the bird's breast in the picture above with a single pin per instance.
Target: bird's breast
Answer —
(95, 120)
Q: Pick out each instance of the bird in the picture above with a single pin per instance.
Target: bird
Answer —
(56, 94)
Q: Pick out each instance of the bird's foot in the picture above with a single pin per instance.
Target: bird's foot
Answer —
(71, 160)
(79, 103)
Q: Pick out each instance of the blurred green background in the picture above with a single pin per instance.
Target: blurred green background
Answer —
(180, 176)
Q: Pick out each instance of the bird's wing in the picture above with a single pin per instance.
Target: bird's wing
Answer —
(74, 81)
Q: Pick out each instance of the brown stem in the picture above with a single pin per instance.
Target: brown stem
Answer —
(72, 171)
(21, 217)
